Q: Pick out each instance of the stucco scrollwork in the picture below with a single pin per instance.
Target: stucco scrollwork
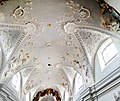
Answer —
(81, 13)
(74, 6)
(28, 86)
(17, 62)
(20, 13)
(84, 13)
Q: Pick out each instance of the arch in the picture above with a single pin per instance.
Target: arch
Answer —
(46, 92)
(78, 83)
(65, 85)
(57, 87)
(16, 79)
(103, 51)
(94, 57)
(9, 77)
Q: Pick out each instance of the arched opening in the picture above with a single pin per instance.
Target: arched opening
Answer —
(16, 81)
(78, 83)
(42, 95)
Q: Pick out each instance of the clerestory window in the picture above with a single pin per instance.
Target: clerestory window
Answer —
(107, 53)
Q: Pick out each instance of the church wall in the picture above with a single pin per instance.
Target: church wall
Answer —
(6, 94)
(106, 89)
(99, 75)
(14, 91)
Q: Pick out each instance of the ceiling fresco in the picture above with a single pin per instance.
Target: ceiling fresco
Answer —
(48, 41)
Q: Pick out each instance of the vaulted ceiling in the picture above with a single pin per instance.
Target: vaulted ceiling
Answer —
(47, 41)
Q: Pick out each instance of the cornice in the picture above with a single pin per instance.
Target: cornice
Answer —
(108, 83)
(7, 93)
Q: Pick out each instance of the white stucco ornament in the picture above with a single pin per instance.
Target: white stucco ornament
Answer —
(30, 27)
(114, 26)
(84, 13)
(70, 27)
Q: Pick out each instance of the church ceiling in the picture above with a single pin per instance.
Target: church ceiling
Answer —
(49, 40)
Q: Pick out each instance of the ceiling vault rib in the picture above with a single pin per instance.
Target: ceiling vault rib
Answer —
(67, 77)
(107, 32)
(79, 38)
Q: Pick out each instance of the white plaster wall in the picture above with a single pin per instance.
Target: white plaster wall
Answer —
(99, 75)
(6, 94)
(13, 89)
(109, 96)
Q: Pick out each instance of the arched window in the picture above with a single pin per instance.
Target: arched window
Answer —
(16, 81)
(78, 83)
(107, 53)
